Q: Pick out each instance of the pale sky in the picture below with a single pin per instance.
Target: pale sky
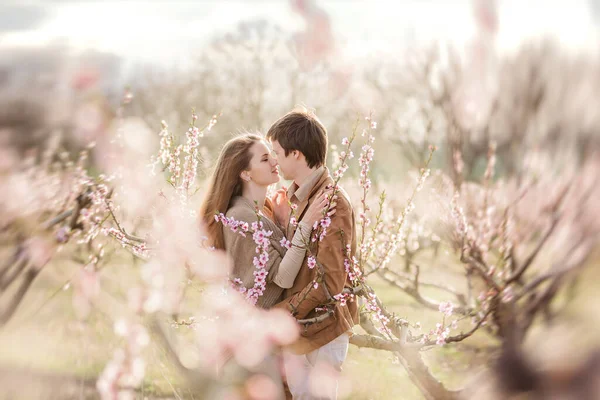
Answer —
(167, 31)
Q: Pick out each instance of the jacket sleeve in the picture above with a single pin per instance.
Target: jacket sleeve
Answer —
(294, 258)
(330, 255)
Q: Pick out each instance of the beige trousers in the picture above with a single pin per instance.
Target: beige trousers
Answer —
(315, 375)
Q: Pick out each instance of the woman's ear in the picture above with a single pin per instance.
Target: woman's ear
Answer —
(245, 175)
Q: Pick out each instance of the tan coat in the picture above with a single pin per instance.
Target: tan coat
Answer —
(302, 298)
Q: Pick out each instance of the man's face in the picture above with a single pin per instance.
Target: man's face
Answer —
(287, 164)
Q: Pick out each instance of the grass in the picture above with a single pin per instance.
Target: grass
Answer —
(45, 335)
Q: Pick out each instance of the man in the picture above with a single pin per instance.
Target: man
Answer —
(299, 142)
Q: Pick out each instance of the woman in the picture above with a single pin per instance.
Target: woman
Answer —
(243, 173)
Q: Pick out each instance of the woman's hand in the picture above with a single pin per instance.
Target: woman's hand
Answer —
(281, 207)
(316, 211)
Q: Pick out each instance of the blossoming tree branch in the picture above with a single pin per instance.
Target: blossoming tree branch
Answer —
(512, 256)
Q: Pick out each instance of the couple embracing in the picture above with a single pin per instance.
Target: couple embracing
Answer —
(305, 277)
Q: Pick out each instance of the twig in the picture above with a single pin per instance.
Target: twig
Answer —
(16, 299)
(18, 267)
(415, 294)
(517, 275)
(570, 266)
(11, 261)
(481, 269)
(320, 318)
(127, 235)
(463, 336)
(56, 220)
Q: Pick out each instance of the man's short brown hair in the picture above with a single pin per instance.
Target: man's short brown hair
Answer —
(301, 130)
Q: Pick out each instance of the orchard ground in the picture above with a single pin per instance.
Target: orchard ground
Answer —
(48, 352)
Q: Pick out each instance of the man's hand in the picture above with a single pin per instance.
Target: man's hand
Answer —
(281, 207)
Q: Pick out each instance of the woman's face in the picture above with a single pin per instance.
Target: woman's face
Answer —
(263, 166)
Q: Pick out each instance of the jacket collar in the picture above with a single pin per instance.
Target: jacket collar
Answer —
(303, 192)
(307, 191)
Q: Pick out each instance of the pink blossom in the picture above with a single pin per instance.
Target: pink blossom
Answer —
(446, 308)
(258, 236)
(264, 257)
(326, 222)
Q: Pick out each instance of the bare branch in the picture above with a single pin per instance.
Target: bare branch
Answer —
(127, 235)
(411, 359)
(16, 270)
(415, 294)
(418, 282)
(481, 269)
(320, 318)
(57, 219)
(11, 261)
(463, 336)
(557, 272)
(521, 270)
(16, 299)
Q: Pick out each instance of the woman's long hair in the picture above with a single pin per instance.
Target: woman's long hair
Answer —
(225, 183)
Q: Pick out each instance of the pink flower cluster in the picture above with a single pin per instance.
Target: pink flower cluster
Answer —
(170, 155)
(320, 229)
(446, 308)
(372, 124)
(238, 285)
(459, 217)
(285, 243)
(140, 249)
(344, 156)
(125, 372)
(344, 298)
(240, 227)
(377, 313)
(366, 156)
(352, 269)
(212, 122)
(190, 164)
(441, 333)
(262, 239)
(422, 178)
(116, 234)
